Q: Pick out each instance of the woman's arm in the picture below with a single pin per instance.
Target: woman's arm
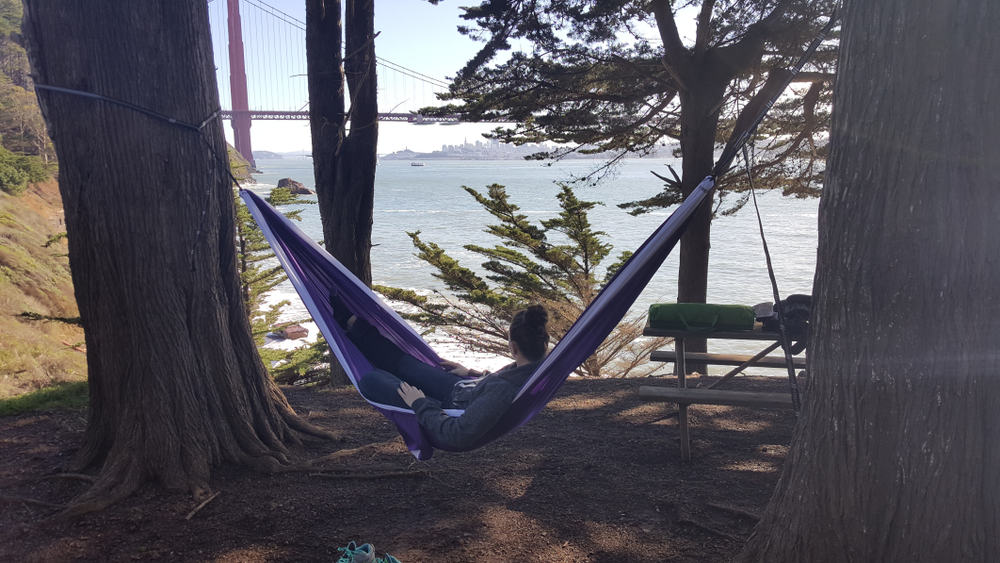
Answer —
(458, 369)
(461, 432)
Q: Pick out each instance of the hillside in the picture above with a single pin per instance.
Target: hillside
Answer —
(35, 278)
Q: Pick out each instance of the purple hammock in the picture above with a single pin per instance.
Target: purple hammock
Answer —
(315, 275)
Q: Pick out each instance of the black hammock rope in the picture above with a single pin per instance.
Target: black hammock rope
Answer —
(786, 343)
(740, 142)
(199, 128)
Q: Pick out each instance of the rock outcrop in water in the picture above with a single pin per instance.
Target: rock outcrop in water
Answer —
(294, 187)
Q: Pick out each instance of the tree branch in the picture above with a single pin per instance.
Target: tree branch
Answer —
(745, 52)
(704, 32)
(675, 55)
(814, 77)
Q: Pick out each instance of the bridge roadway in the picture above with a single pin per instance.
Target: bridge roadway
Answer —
(304, 115)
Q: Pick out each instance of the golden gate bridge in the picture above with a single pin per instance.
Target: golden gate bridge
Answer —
(275, 88)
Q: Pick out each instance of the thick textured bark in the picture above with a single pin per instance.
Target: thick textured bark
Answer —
(705, 87)
(703, 74)
(344, 162)
(896, 455)
(176, 385)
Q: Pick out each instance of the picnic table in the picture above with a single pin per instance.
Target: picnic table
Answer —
(684, 396)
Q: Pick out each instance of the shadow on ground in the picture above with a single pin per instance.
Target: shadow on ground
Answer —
(595, 477)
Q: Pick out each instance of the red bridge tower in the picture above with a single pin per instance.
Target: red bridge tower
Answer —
(238, 84)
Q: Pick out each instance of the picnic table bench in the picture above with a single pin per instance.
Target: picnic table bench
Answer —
(684, 396)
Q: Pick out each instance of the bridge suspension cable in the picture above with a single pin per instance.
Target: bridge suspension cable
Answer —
(297, 23)
(259, 51)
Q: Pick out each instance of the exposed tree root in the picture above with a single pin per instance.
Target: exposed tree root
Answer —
(341, 454)
(74, 476)
(31, 501)
(112, 485)
(706, 528)
(296, 422)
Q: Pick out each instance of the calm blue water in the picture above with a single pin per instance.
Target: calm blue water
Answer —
(430, 199)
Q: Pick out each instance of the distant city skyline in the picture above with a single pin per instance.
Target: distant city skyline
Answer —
(484, 149)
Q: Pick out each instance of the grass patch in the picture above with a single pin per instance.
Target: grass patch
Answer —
(71, 395)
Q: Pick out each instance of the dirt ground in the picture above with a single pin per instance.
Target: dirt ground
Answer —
(595, 477)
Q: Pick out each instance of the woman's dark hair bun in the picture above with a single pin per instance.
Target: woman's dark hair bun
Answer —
(536, 315)
(528, 329)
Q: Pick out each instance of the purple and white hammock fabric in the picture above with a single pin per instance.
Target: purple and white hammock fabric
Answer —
(315, 275)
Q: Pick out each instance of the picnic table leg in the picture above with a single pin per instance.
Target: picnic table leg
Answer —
(732, 373)
(680, 369)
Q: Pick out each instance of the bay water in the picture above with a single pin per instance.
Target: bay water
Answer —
(430, 199)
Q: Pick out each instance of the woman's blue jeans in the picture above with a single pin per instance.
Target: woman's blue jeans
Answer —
(393, 366)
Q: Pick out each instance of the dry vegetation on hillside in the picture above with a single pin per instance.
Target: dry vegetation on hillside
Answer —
(35, 278)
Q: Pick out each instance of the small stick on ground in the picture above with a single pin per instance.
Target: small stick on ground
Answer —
(707, 528)
(76, 476)
(667, 416)
(25, 500)
(356, 469)
(78, 347)
(200, 506)
(385, 475)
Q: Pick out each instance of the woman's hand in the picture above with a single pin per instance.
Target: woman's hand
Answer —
(457, 369)
(409, 393)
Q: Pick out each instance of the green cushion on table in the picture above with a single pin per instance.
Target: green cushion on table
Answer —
(700, 317)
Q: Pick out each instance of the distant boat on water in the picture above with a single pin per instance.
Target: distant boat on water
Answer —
(416, 164)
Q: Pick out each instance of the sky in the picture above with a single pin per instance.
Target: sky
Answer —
(412, 33)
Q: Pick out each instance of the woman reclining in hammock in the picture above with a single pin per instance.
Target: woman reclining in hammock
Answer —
(401, 380)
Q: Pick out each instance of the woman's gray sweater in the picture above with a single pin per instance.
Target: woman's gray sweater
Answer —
(485, 400)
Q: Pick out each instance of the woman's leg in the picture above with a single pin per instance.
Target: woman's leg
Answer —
(433, 381)
(381, 387)
(379, 350)
(393, 366)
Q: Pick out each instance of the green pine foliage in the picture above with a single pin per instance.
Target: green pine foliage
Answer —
(556, 262)
(26, 154)
(259, 274)
(17, 170)
(598, 76)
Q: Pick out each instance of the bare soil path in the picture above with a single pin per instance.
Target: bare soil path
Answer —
(595, 477)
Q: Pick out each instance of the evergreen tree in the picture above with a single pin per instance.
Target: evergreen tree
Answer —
(176, 384)
(16, 171)
(556, 263)
(340, 52)
(259, 274)
(21, 125)
(620, 75)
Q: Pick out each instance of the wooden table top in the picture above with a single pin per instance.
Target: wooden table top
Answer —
(758, 333)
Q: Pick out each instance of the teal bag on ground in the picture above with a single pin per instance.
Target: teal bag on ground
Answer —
(701, 317)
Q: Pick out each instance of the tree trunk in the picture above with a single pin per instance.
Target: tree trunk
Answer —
(896, 454)
(700, 105)
(176, 385)
(344, 162)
